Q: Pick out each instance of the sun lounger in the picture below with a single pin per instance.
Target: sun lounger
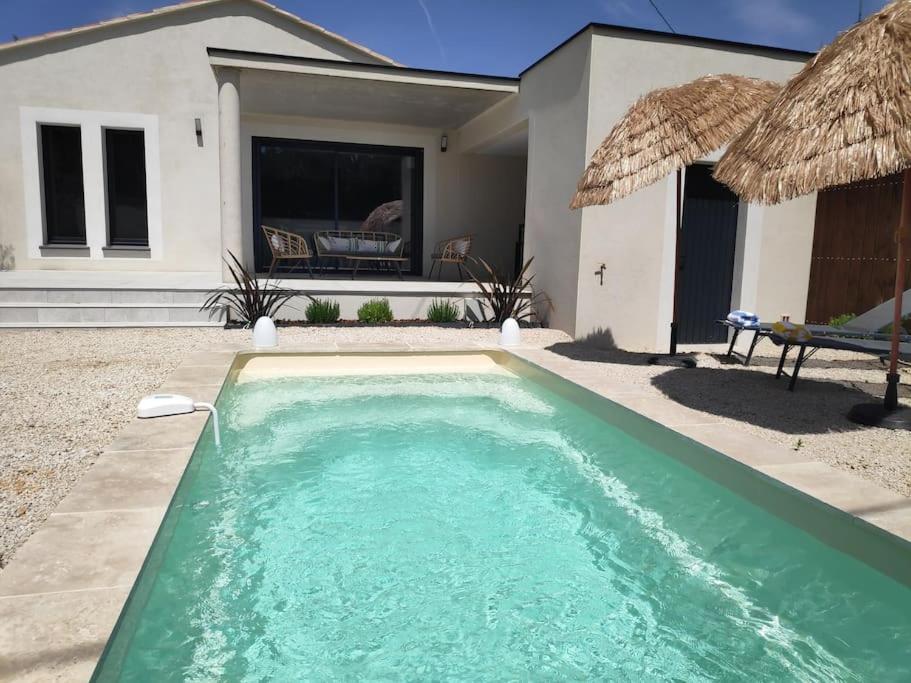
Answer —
(806, 349)
(765, 330)
(759, 331)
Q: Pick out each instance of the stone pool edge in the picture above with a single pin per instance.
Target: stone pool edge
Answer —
(63, 591)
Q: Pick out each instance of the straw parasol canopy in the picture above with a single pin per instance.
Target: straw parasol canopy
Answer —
(668, 129)
(845, 117)
(382, 216)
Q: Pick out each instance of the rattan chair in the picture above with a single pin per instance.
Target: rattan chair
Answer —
(286, 246)
(455, 250)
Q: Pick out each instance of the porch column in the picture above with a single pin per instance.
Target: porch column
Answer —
(229, 164)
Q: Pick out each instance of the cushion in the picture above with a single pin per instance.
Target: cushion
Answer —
(368, 247)
(276, 243)
(392, 248)
(461, 247)
(791, 332)
(333, 244)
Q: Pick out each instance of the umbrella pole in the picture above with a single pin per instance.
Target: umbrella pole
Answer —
(672, 359)
(677, 251)
(902, 235)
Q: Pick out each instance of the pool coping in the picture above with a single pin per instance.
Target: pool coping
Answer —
(64, 589)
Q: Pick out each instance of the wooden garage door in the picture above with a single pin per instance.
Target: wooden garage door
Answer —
(853, 267)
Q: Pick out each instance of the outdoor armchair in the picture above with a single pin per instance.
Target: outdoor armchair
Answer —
(455, 250)
(287, 246)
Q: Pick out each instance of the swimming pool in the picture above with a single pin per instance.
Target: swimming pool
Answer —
(479, 524)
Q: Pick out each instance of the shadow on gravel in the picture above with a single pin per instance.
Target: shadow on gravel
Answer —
(599, 346)
(815, 407)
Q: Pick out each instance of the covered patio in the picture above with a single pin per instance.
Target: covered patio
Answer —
(359, 170)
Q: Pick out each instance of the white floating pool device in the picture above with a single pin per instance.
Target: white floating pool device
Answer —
(164, 405)
(509, 333)
(265, 336)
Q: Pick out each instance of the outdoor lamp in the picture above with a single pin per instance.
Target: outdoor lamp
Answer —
(444, 143)
(265, 336)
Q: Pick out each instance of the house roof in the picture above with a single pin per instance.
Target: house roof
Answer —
(651, 34)
(216, 54)
(186, 5)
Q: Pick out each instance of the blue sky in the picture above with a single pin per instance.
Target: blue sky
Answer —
(494, 36)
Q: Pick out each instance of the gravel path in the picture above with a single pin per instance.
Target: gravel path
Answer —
(65, 394)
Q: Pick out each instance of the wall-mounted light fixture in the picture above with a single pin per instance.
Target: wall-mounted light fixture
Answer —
(444, 143)
(198, 123)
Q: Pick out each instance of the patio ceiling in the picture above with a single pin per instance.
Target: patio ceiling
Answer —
(294, 86)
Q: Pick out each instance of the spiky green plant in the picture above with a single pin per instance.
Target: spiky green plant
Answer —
(906, 326)
(248, 300)
(841, 320)
(322, 311)
(504, 296)
(375, 311)
(442, 311)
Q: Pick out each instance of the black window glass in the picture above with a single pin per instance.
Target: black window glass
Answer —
(306, 187)
(64, 195)
(125, 168)
(365, 182)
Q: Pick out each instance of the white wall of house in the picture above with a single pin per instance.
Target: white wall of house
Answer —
(153, 73)
(554, 96)
(572, 99)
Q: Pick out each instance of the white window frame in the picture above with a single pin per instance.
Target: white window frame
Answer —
(91, 125)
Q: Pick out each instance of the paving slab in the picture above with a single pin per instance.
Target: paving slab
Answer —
(80, 550)
(128, 480)
(56, 636)
(175, 431)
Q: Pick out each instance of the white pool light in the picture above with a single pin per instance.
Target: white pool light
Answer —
(164, 405)
(510, 335)
(265, 336)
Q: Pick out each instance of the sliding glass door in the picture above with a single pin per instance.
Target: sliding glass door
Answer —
(304, 187)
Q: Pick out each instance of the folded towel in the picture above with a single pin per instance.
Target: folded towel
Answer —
(744, 319)
(744, 315)
(791, 332)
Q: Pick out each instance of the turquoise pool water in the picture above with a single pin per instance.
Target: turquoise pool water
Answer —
(479, 527)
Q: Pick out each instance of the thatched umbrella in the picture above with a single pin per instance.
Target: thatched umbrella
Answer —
(845, 117)
(665, 131)
(382, 216)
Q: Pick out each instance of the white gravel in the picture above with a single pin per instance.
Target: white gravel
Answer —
(65, 394)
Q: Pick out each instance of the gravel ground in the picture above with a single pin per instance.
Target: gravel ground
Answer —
(65, 394)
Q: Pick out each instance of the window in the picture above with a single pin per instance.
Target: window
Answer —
(307, 186)
(125, 171)
(64, 194)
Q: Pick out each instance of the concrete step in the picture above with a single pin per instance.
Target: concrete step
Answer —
(26, 295)
(42, 314)
(39, 326)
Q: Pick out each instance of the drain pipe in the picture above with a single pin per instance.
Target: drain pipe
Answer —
(164, 405)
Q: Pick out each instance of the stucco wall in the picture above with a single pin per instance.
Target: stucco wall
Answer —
(492, 205)
(784, 259)
(634, 237)
(158, 67)
(554, 97)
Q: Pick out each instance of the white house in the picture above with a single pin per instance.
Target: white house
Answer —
(135, 152)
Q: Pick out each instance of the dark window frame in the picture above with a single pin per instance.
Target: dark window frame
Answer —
(49, 216)
(416, 264)
(110, 194)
